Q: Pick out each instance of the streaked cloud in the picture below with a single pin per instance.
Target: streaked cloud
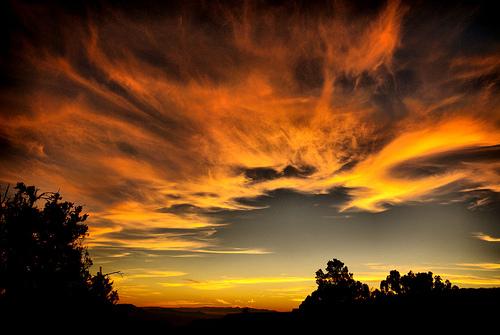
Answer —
(482, 266)
(235, 251)
(486, 237)
(232, 282)
(153, 274)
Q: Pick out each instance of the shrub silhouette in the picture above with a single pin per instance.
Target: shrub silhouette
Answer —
(42, 257)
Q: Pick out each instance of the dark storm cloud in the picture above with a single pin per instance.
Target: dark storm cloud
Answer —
(347, 166)
(135, 190)
(7, 149)
(309, 74)
(469, 194)
(261, 174)
(185, 209)
(335, 197)
(446, 161)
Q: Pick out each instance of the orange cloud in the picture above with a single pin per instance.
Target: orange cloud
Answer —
(177, 136)
(136, 117)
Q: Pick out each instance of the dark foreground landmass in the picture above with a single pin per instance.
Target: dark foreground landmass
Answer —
(472, 310)
(180, 317)
(475, 310)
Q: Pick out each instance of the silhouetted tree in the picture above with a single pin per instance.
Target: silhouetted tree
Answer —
(392, 284)
(336, 286)
(417, 284)
(42, 257)
(101, 290)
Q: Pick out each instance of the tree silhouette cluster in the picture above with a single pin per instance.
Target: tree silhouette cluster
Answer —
(336, 287)
(42, 257)
(421, 284)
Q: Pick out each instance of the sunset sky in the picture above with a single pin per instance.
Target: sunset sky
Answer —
(226, 150)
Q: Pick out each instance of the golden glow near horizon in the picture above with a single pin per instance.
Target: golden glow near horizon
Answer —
(153, 122)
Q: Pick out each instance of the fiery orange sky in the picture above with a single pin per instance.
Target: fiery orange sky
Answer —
(225, 151)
